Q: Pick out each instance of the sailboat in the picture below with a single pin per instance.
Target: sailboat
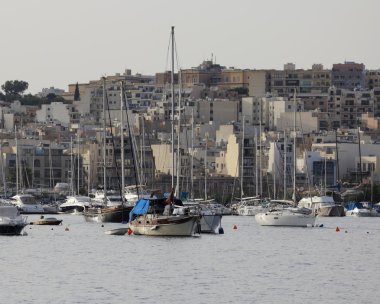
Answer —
(155, 216)
(109, 211)
(288, 216)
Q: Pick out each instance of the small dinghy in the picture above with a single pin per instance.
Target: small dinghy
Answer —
(47, 221)
(117, 231)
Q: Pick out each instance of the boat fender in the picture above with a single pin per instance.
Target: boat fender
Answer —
(221, 230)
(154, 227)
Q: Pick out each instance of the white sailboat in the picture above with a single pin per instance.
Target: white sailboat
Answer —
(113, 209)
(288, 216)
(154, 216)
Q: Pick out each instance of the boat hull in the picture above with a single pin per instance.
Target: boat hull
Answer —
(72, 209)
(165, 225)
(210, 223)
(331, 211)
(42, 222)
(114, 214)
(9, 229)
(281, 218)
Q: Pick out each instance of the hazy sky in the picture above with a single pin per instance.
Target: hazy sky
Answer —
(54, 43)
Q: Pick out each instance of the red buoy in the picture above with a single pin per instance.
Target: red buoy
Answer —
(234, 227)
(129, 231)
(337, 229)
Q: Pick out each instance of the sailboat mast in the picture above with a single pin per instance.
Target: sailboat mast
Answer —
(104, 142)
(257, 167)
(2, 168)
(260, 159)
(285, 164)
(16, 160)
(172, 116)
(294, 148)
(274, 170)
(360, 157)
(178, 133)
(242, 159)
(192, 155)
(122, 140)
(206, 167)
(78, 155)
(71, 167)
(337, 155)
(325, 175)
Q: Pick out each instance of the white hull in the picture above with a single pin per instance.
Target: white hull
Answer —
(250, 210)
(164, 225)
(358, 212)
(285, 218)
(210, 223)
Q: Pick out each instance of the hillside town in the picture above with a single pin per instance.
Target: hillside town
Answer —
(231, 124)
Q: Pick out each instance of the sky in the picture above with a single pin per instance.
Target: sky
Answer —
(52, 43)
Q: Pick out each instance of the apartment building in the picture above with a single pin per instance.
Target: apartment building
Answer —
(348, 75)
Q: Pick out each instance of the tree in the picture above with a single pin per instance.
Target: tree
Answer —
(76, 93)
(15, 87)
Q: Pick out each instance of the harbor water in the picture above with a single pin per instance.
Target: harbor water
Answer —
(250, 264)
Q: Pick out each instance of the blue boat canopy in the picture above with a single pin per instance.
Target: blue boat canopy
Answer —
(141, 207)
(353, 205)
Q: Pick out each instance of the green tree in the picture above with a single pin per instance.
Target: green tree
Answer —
(30, 100)
(13, 89)
(76, 93)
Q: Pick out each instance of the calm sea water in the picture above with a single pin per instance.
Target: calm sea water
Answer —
(251, 264)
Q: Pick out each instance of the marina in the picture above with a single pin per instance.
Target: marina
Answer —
(250, 264)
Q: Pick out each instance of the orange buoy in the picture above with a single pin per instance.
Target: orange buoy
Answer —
(337, 229)
(234, 227)
(129, 231)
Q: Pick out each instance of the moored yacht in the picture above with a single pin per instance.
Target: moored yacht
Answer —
(11, 222)
(322, 205)
(75, 204)
(154, 217)
(210, 221)
(27, 204)
(357, 209)
(293, 217)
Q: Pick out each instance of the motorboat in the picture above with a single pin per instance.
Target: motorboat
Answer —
(357, 209)
(132, 193)
(11, 222)
(117, 231)
(210, 221)
(27, 204)
(46, 221)
(322, 205)
(113, 210)
(152, 216)
(292, 217)
(250, 206)
(108, 214)
(75, 204)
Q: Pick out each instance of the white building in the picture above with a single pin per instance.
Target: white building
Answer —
(58, 112)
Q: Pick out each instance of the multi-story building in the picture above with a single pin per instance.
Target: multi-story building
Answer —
(372, 79)
(348, 75)
(58, 112)
(315, 80)
(40, 164)
(345, 107)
